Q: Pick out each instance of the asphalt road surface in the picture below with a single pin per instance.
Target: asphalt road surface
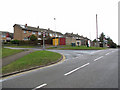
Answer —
(80, 69)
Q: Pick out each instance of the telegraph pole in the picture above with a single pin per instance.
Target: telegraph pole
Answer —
(96, 31)
(96, 28)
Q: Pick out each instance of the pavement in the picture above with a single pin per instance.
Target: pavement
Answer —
(9, 59)
(81, 69)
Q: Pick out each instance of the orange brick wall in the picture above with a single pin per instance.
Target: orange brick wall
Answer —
(17, 33)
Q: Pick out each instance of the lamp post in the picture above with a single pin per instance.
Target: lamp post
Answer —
(43, 40)
(55, 31)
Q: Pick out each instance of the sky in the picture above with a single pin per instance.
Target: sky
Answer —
(77, 16)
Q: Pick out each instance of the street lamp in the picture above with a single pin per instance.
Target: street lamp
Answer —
(43, 40)
(55, 31)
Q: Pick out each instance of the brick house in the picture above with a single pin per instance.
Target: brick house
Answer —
(75, 38)
(70, 38)
(6, 36)
(23, 32)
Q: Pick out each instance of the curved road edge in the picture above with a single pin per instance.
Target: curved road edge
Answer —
(33, 68)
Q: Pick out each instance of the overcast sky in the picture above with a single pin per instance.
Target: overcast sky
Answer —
(77, 16)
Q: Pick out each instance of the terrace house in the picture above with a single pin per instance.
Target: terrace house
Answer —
(23, 32)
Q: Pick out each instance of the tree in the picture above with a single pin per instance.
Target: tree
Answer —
(102, 37)
(102, 40)
(94, 40)
(110, 43)
(33, 38)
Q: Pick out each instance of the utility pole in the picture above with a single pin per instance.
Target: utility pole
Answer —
(96, 31)
(96, 28)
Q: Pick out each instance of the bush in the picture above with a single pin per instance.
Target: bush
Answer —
(33, 38)
(14, 42)
(22, 42)
(5, 42)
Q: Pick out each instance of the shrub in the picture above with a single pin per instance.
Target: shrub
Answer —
(33, 38)
(15, 41)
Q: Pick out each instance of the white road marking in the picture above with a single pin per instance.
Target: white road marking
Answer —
(98, 58)
(76, 69)
(107, 53)
(40, 86)
(76, 57)
(1, 80)
(66, 54)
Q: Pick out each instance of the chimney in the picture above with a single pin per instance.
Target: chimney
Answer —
(48, 28)
(38, 27)
(25, 25)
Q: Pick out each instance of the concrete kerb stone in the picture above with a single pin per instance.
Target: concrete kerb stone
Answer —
(32, 68)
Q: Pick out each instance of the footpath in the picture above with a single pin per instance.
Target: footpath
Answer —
(9, 59)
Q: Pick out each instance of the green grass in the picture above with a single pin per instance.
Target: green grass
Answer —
(21, 46)
(36, 58)
(69, 47)
(7, 52)
(52, 48)
(82, 48)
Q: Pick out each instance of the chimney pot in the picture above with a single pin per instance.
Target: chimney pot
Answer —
(25, 25)
(37, 26)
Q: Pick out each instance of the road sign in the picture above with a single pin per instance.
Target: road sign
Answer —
(43, 34)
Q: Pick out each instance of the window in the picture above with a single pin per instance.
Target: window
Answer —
(24, 31)
(29, 31)
(25, 38)
(39, 33)
(3, 36)
(33, 32)
(46, 34)
(50, 34)
(77, 37)
(56, 35)
(39, 39)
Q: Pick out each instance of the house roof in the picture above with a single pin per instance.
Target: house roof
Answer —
(75, 35)
(36, 29)
(4, 32)
(72, 35)
(30, 28)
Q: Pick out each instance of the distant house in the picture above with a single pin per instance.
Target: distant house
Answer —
(75, 38)
(70, 38)
(23, 32)
(6, 36)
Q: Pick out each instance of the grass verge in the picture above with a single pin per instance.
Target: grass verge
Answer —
(68, 47)
(20, 46)
(33, 59)
(7, 52)
(82, 48)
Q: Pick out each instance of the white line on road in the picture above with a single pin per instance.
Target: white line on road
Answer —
(76, 69)
(98, 58)
(1, 80)
(107, 53)
(40, 86)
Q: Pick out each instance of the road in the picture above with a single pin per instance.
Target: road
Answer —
(80, 69)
